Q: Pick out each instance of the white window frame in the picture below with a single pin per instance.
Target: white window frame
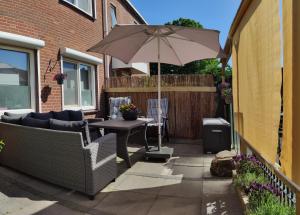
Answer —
(32, 79)
(92, 84)
(91, 13)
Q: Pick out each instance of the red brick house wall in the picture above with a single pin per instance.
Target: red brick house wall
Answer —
(59, 25)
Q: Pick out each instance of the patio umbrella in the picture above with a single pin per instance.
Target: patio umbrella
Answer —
(162, 44)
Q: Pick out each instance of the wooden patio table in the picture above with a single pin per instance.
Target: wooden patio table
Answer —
(124, 130)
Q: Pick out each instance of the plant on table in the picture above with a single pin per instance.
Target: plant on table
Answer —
(129, 111)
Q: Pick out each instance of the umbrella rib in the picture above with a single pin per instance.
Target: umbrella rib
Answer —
(167, 42)
(189, 41)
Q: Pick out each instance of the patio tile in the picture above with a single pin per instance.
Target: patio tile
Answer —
(194, 173)
(187, 161)
(79, 200)
(150, 168)
(58, 209)
(214, 187)
(182, 188)
(221, 204)
(141, 184)
(183, 150)
(124, 203)
(176, 206)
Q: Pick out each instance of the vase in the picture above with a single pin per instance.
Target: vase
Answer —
(130, 115)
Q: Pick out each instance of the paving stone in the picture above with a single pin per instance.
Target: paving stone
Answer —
(182, 188)
(212, 187)
(187, 161)
(124, 203)
(141, 184)
(221, 204)
(176, 206)
(58, 209)
(150, 168)
(194, 173)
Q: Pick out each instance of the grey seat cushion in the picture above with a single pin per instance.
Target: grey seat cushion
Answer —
(76, 126)
(61, 115)
(33, 122)
(42, 116)
(12, 119)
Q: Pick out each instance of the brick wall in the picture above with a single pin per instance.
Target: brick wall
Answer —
(59, 25)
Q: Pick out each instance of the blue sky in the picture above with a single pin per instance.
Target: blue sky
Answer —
(214, 14)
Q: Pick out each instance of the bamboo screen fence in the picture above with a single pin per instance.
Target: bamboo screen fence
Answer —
(191, 98)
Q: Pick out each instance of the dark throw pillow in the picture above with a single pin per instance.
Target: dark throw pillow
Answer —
(11, 119)
(76, 126)
(37, 123)
(61, 115)
(42, 116)
(76, 115)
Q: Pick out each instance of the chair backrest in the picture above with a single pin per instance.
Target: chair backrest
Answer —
(114, 105)
(152, 111)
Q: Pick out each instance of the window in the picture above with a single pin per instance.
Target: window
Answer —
(113, 15)
(79, 86)
(83, 5)
(16, 79)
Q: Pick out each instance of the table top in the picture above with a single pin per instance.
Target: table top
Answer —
(120, 124)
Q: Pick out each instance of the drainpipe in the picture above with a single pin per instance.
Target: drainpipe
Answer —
(105, 30)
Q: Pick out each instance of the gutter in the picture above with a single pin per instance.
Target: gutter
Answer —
(136, 11)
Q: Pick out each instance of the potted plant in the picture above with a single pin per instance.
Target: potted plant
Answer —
(60, 77)
(129, 112)
(227, 95)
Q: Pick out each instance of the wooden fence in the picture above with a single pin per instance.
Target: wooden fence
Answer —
(191, 98)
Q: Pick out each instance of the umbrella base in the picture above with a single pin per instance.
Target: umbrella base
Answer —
(163, 153)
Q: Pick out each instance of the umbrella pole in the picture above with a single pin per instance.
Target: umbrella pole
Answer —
(159, 96)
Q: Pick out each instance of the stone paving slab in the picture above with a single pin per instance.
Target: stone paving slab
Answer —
(183, 185)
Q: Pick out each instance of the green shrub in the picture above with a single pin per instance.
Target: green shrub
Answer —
(266, 203)
(244, 180)
(248, 166)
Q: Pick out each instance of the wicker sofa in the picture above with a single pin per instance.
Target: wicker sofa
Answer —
(60, 157)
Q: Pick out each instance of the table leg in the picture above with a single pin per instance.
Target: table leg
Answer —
(122, 151)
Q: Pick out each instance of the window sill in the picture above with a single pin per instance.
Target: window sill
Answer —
(91, 16)
(85, 109)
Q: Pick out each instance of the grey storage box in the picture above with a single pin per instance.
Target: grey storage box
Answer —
(216, 135)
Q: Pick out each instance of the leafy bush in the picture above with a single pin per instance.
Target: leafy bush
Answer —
(248, 164)
(2, 144)
(245, 180)
(266, 203)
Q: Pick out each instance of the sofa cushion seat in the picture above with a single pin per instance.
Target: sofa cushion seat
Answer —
(33, 122)
(76, 126)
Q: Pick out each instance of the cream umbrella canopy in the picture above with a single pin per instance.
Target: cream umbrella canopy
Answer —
(162, 44)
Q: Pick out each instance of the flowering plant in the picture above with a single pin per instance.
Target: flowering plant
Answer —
(128, 107)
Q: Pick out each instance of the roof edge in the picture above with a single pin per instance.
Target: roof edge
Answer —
(136, 11)
(235, 23)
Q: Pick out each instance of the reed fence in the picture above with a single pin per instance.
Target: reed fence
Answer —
(191, 98)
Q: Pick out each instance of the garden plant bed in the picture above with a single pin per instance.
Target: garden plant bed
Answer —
(241, 194)
(257, 194)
